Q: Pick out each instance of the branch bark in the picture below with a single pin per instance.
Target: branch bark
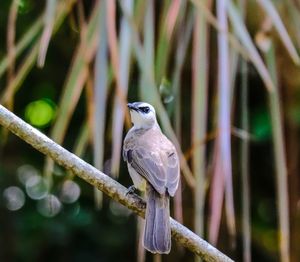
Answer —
(103, 182)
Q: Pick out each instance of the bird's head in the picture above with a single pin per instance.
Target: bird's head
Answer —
(142, 115)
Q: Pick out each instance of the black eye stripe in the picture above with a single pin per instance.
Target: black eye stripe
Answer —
(144, 109)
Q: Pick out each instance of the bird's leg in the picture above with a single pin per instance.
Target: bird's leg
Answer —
(131, 190)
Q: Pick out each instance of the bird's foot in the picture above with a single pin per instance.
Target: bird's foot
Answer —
(131, 190)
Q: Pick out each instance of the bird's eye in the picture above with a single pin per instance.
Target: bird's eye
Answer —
(145, 109)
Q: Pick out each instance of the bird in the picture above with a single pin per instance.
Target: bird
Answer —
(153, 166)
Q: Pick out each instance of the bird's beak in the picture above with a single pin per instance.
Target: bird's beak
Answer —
(132, 107)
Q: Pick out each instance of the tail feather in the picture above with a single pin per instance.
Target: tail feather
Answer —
(157, 234)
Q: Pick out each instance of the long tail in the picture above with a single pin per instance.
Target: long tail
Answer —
(157, 234)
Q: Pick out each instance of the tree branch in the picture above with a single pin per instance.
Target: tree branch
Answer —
(103, 182)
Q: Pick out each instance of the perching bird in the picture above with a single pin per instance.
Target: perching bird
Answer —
(154, 167)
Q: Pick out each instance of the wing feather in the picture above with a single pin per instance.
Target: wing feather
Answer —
(150, 168)
(173, 172)
(155, 159)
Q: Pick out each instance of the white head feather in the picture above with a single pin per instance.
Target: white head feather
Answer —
(142, 115)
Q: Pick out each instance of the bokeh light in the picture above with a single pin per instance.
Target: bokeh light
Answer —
(70, 192)
(118, 210)
(25, 172)
(40, 113)
(49, 206)
(36, 187)
(14, 198)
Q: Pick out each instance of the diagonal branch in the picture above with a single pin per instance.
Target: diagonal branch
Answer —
(103, 182)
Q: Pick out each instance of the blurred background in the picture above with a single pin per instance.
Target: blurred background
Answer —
(224, 78)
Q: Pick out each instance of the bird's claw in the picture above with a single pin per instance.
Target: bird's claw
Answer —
(131, 190)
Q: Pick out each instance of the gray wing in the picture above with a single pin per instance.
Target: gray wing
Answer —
(150, 166)
(161, 172)
(173, 172)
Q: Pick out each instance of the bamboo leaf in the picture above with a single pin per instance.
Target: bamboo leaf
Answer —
(216, 196)
(113, 47)
(20, 76)
(74, 84)
(184, 36)
(244, 149)
(223, 169)
(172, 16)
(11, 52)
(243, 35)
(280, 160)
(169, 17)
(244, 166)
(149, 39)
(294, 19)
(100, 98)
(270, 9)
(112, 37)
(11, 34)
(26, 39)
(28, 63)
(123, 71)
(200, 72)
(47, 32)
(214, 22)
(138, 48)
